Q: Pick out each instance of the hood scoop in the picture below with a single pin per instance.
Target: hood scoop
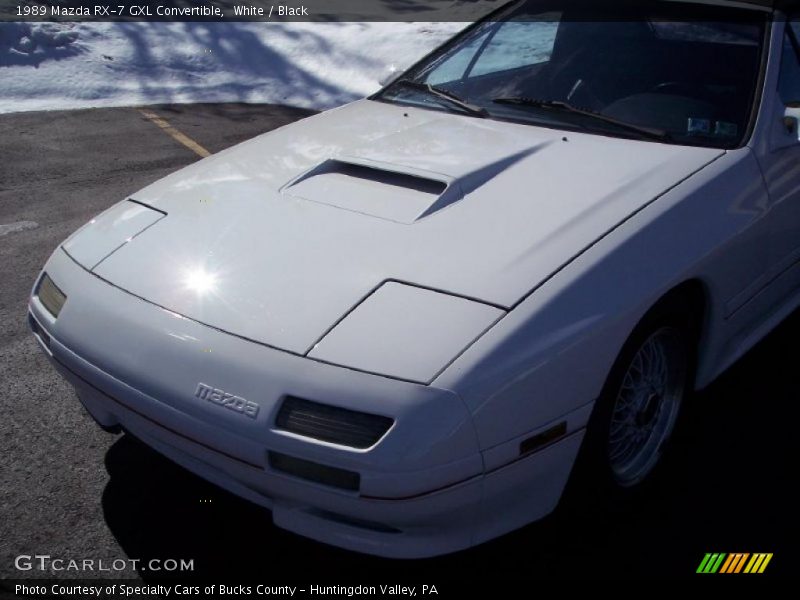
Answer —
(387, 191)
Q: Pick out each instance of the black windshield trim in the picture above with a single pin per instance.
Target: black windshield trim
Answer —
(554, 125)
(442, 95)
(568, 109)
(756, 100)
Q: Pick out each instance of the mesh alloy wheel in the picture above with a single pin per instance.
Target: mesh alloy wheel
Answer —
(646, 406)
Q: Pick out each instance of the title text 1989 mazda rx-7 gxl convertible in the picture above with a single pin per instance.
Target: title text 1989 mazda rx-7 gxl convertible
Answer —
(401, 323)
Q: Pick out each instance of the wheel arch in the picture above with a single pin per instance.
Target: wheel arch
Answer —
(692, 297)
(688, 301)
(684, 305)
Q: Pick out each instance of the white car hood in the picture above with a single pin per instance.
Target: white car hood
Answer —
(272, 241)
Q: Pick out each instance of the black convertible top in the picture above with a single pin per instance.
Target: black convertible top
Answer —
(774, 4)
(784, 5)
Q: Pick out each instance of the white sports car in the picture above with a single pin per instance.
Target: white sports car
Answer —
(399, 324)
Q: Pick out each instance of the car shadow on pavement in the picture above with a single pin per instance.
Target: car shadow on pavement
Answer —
(727, 486)
(158, 510)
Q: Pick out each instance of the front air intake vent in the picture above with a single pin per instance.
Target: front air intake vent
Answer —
(315, 472)
(331, 424)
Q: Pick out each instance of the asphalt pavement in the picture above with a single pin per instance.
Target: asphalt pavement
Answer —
(69, 490)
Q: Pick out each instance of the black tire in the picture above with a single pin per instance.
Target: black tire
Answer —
(596, 479)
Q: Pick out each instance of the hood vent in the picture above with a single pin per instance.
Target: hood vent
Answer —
(407, 181)
(387, 191)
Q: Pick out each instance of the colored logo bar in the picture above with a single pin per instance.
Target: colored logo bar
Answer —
(736, 562)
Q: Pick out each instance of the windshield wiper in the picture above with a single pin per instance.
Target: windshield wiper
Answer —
(558, 105)
(448, 97)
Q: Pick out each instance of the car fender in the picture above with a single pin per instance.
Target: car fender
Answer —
(552, 353)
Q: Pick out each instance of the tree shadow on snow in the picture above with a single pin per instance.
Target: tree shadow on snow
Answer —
(256, 65)
(31, 44)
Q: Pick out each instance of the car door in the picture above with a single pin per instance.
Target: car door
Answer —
(780, 163)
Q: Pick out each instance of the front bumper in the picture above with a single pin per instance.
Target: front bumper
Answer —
(423, 490)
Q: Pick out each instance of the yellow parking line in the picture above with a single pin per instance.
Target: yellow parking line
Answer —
(174, 133)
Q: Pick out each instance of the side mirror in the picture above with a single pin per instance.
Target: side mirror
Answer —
(791, 117)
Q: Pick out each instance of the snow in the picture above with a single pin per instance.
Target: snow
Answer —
(47, 66)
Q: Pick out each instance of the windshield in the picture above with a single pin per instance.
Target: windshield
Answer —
(683, 73)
